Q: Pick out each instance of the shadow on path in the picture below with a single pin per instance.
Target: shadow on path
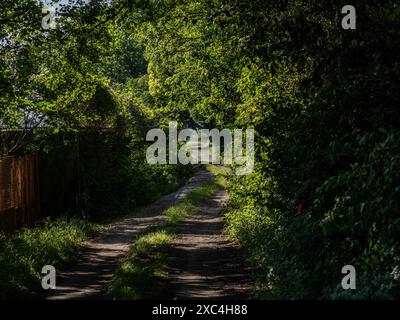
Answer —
(203, 263)
(100, 257)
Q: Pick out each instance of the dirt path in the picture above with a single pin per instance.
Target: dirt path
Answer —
(203, 263)
(100, 257)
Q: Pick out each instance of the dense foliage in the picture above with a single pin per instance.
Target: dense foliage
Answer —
(77, 95)
(323, 102)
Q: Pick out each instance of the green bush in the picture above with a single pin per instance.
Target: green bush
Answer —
(325, 192)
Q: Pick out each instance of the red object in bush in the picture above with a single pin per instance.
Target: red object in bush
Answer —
(300, 207)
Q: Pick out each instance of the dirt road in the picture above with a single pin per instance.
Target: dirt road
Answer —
(100, 257)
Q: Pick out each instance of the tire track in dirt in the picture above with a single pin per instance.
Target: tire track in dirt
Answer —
(203, 263)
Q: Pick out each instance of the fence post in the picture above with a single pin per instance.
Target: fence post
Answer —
(19, 192)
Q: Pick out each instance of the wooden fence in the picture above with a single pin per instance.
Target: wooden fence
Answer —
(19, 192)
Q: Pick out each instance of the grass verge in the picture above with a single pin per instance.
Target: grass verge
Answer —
(24, 253)
(144, 272)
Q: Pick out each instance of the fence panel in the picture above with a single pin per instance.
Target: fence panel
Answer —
(19, 192)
